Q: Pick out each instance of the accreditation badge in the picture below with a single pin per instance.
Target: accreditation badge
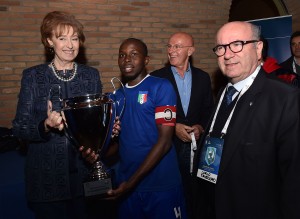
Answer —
(210, 159)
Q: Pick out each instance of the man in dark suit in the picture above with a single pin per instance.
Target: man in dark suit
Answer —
(194, 102)
(248, 162)
(293, 63)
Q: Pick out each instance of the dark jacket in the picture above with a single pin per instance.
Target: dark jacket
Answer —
(201, 101)
(288, 64)
(54, 168)
(259, 172)
(274, 70)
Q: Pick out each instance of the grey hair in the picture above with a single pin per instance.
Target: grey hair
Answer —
(256, 31)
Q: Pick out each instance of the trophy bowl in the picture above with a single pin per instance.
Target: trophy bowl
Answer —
(88, 122)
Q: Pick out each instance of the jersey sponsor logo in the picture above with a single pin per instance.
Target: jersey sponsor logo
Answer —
(177, 212)
(165, 115)
(142, 97)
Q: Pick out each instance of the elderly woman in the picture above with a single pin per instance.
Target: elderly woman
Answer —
(54, 170)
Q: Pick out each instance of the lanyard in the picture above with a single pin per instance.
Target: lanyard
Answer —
(244, 89)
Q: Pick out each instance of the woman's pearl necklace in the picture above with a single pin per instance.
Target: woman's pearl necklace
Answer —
(61, 76)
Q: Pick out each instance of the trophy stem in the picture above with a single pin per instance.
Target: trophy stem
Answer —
(98, 171)
(99, 181)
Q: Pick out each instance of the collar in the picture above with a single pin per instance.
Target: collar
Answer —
(239, 86)
(295, 61)
(174, 70)
(128, 86)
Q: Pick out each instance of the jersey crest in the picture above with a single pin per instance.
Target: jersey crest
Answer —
(142, 97)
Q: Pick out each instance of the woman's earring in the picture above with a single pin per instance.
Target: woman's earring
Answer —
(51, 49)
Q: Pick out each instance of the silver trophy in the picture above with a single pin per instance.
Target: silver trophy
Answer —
(89, 122)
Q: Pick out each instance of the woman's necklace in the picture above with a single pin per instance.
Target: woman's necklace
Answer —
(61, 76)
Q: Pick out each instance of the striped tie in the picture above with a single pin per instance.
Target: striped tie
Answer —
(230, 92)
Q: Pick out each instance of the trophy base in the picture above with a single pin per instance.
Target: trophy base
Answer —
(97, 188)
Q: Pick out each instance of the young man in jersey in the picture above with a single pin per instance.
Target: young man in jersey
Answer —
(148, 178)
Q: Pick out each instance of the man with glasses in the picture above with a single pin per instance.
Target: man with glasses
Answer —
(194, 102)
(293, 63)
(248, 161)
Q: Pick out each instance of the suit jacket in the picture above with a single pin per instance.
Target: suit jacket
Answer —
(288, 64)
(201, 100)
(259, 171)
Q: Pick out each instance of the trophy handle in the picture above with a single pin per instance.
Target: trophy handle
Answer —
(68, 133)
(55, 97)
(112, 97)
(112, 82)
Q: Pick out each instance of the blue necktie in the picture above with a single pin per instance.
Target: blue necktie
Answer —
(230, 92)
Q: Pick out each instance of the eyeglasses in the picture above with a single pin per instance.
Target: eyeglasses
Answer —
(295, 44)
(235, 46)
(176, 46)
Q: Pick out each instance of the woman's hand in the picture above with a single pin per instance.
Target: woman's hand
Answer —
(54, 119)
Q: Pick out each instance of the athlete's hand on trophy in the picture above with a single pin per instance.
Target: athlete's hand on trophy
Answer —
(54, 119)
(116, 128)
(89, 155)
